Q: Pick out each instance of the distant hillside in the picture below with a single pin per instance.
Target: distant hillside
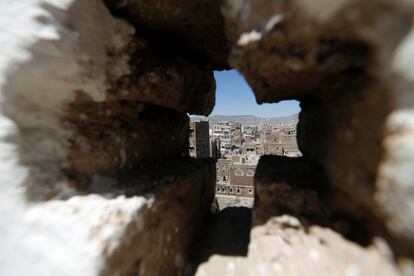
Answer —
(249, 119)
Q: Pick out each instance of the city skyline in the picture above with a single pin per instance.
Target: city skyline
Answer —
(237, 147)
(245, 103)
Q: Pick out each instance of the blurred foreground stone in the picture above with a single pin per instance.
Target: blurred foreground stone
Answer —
(139, 226)
(350, 64)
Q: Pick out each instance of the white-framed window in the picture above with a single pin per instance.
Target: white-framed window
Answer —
(238, 172)
(250, 172)
(238, 191)
(250, 191)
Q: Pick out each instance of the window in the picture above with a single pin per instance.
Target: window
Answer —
(241, 143)
(238, 172)
(249, 172)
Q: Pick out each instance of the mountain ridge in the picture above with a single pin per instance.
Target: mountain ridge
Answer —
(248, 119)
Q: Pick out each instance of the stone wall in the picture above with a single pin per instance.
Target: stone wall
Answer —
(94, 166)
(95, 173)
(349, 64)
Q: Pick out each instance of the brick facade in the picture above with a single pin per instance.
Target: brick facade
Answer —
(242, 175)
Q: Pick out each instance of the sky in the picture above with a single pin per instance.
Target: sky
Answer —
(235, 97)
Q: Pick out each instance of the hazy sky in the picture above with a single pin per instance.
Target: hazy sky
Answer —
(234, 97)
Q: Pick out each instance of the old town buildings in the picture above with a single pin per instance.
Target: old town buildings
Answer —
(237, 149)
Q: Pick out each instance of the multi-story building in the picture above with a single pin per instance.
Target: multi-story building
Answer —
(272, 148)
(289, 142)
(235, 175)
(279, 142)
(222, 168)
(199, 139)
(217, 132)
(250, 133)
(215, 148)
(253, 147)
(241, 180)
(222, 132)
(236, 135)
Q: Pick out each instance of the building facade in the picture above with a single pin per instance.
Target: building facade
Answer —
(199, 143)
(235, 176)
(241, 147)
(215, 148)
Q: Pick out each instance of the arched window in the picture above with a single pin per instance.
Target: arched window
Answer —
(250, 191)
(238, 191)
(249, 172)
(231, 190)
(238, 172)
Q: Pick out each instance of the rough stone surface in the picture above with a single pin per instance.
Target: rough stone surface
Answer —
(49, 57)
(181, 200)
(350, 64)
(91, 179)
(97, 112)
(348, 140)
(82, 48)
(295, 49)
(234, 201)
(297, 187)
(141, 225)
(226, 233)
(196, 26)
(283, 246)
(302, 226)
(165, 76)
(133, 133)
(395, 177)
(93, 103)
